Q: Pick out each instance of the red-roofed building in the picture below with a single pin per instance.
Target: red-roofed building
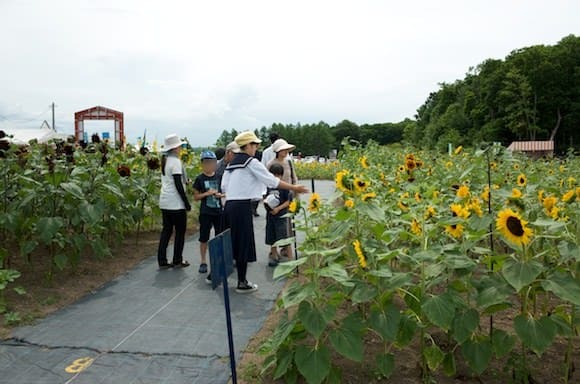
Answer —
(535, 149)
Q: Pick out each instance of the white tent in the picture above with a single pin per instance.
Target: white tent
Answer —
(42, 134)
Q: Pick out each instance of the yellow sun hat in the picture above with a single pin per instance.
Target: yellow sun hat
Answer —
(246, 138)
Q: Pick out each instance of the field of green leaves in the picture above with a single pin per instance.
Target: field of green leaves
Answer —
(428, 251)
(64, 202)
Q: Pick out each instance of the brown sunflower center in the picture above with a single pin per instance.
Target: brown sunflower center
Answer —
(515, 226)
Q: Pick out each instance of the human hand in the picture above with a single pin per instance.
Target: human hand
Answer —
(300, 189)
(187, 207)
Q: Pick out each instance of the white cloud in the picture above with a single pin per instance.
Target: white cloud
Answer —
(198, 67)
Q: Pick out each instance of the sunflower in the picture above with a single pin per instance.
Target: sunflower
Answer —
(342, 184)
(349, 203)
(314, 202)
(360, 185)
(522, 180)
(541, 195)
(368, 196)
(416, 227)
(455, 230)
(459, 211)
(513, 228)
(571, 182)
(568, 196)
(153, 163)
(417, 197)
(405, 195)
(485, 194)
(429, 212)
(554, 213)
(359, 252)
(448, 164)
(493, 165)
(403, 206)
(516, 166)
(435, 194)
(463, 191)
(458, 150)
(364, 162)
(294, 206)
(124, 171)
(410, 164)
(549, 202)
(516, 193)
(475, 206)
(401, 168)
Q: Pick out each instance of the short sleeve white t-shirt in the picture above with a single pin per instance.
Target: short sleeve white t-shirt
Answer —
(169, 197)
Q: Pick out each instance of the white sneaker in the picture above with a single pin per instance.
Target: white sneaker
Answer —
(246, 287)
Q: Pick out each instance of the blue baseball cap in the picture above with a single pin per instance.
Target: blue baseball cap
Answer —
(208, 155)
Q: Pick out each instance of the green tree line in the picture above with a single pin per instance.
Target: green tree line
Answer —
(319, 139)
(532, 94)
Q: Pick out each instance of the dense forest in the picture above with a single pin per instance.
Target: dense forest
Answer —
(532, 94)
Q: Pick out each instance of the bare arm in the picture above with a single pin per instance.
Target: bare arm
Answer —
(293, 187)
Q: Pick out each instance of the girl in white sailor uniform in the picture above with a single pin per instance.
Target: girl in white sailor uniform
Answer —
(244, 180)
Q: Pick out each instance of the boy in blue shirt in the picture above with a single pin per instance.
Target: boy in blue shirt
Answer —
(276, 204)
(206, 189)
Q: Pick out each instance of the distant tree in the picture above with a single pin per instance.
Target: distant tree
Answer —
(345, 128)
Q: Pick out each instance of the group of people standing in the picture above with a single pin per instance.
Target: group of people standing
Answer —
(228, 190)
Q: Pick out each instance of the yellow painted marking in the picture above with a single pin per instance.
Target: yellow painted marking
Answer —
(79, 365)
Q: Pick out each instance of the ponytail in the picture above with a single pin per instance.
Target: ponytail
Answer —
(163, 162)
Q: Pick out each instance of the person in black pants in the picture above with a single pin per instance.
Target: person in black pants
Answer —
(173, 203)
(244, 180)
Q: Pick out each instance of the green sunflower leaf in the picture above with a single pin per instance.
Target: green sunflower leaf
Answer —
(520, 274)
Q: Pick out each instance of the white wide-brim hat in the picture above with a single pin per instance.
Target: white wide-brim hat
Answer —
(172, 141)
(281, 144)
(233, 146)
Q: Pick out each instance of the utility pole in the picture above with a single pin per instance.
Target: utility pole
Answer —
(53, 127)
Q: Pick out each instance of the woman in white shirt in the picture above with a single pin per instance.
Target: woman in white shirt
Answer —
(244, 180)
(173, 203)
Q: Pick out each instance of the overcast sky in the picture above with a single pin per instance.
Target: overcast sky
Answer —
(198, 67)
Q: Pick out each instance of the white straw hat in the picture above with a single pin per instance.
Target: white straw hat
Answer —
(172, 141)
(233, 146)
(281, 144)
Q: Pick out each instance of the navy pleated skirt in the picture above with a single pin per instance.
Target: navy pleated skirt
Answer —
(238, 217)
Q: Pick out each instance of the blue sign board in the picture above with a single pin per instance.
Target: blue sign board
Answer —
(222, 265)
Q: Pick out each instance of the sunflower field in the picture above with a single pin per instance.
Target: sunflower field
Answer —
(469, 260)
(61, 202)
(315, 170)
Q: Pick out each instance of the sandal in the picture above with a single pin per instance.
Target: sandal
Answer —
(183, 264)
